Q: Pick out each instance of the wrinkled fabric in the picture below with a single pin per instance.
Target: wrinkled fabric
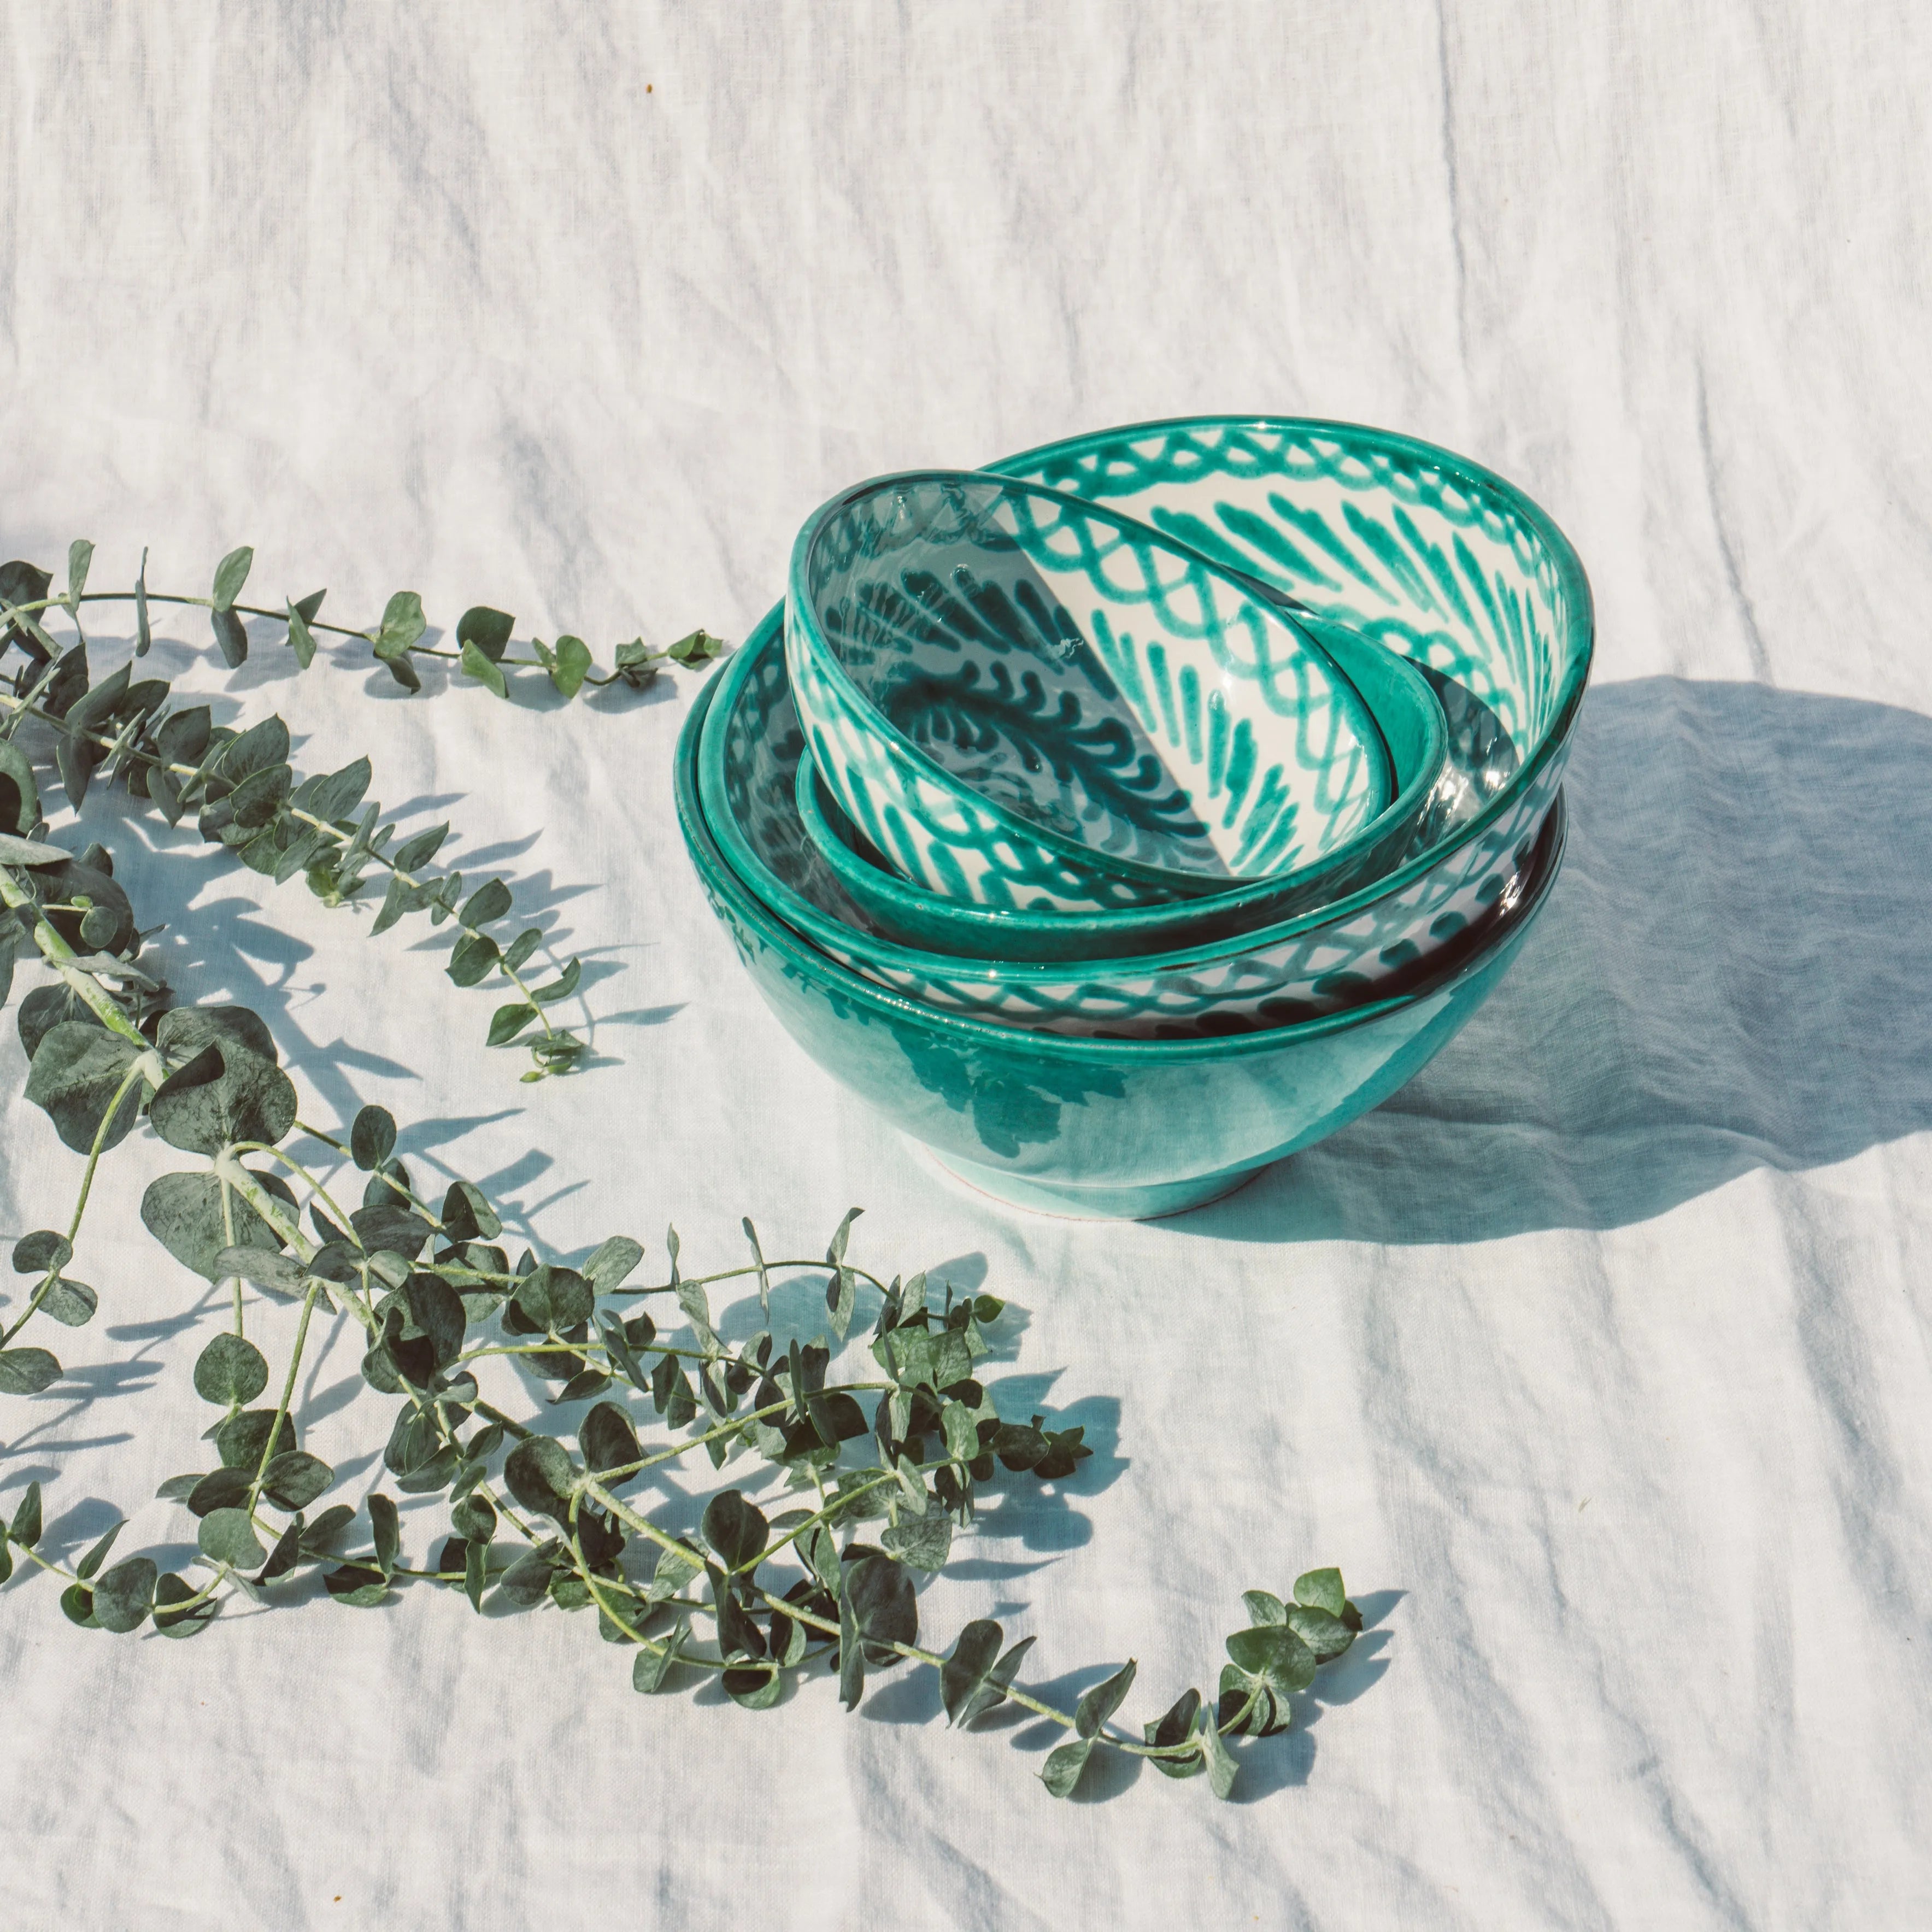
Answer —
(1597, 1358)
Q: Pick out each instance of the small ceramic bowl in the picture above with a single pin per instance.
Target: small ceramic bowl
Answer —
(1023, 700)
(1377, 942)
(1407, 707)
(1090, 1128)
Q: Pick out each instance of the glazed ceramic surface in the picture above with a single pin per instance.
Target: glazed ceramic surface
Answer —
(1433, 797)
(1086, 1127)
(1375, 944)
(1024, 700)
(1420, 548)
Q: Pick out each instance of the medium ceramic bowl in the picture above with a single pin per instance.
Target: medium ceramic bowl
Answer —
(1375, 943)
(1025, 701)
(1084, 1127)
(1408, 708)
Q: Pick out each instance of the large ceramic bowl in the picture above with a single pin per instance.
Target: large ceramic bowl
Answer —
(1088, 1127)
(1407, 707)
(1023, 700)
(1417, 547)
(1375, 944)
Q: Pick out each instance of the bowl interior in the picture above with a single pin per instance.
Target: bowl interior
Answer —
(1099, 681)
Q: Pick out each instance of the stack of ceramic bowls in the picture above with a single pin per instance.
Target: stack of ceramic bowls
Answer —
(1127, 815)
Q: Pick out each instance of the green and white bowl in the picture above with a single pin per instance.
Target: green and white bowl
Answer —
(1378, 942)
(1408, 708)
(1085, 1127)
(1026, 701)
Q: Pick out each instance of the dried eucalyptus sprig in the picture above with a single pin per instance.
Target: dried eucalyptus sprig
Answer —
(483, 635)
(441, 1309)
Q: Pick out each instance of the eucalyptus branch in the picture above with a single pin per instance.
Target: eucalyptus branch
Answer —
(439, 1307)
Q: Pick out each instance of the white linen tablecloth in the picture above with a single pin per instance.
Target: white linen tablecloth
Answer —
(1597, 1358)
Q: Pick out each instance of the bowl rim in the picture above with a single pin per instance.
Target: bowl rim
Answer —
(714, 869)
(799, 607)
(985, 924)
(791, 906)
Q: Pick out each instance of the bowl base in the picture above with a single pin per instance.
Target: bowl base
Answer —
(1153, 1201)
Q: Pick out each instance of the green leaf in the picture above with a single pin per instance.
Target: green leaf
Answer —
(334, 797)
(356, 1584)
(172, 1620)
(542, 1476)
(372, 1139)
(1174, 1730)
(489, 631)
(483, 669)
(231, 638)
(488, 901)
(560, 988)
(475, 1519)
(612, 1263)
(673, 1572)
(97, 1555)
(554, 1298)
(294, 1479)
(403, 624)
(467, 1215)
(143, 637)
(879, 1593)
(475, 954)
(971, 1683)
(302, 639)
(1101, 1703)
(20, 796)
(923, 1541)
(286, 1553)
(405, 674)
(279, 1274)
(79, 555)
(415, 853)
(220, 1489)
(76, 1073)
(571, 666)
(1325, 1635)
(736, 1529)
(231, 1371)
(1219, 1759)
(24, 1529)
(387, 1529)
(475, 1573)
(1264, 1608)
(230, 573)
(43, 1249)
(1273, 1655)
(609, 1442)
(72, 1303)
(76, 1603)
(507, 1021)
(240, 1440)
(183, 1212)
(26, 1372)
(1064, 1764)
(520, 948)
(125, 1595)
(1322, 1590)
(224, 1094)
(227, 1536)
(753, 1690)
(653, 1663)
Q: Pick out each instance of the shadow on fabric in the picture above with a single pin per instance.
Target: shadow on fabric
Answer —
(1732, 974)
